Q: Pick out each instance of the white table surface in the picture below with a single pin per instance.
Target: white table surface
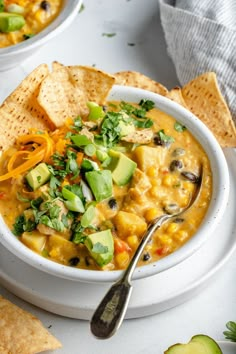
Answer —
(138, 22)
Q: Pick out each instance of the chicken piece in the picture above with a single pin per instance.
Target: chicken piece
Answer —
(87, 133)
(47, 230)
(140, 182)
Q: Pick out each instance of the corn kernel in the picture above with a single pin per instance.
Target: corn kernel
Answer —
(167, 181)
(181, 235)
(54, 253)
(38, 16)
(154, 191)
(133, 241)
(165, 239)
(151, 214)
(152, 171)
(188, 186)
(171, 228)
(122, 259)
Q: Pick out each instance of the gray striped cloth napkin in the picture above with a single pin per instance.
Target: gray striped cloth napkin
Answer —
(201, 37)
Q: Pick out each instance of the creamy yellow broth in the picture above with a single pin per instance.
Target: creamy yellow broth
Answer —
(37, 16)
(157, 185)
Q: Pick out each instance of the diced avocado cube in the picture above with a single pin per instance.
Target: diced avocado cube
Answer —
(10, 22)
(38, 176)
(122, 168)
(100, 183)
(199, 344)
(101, 247)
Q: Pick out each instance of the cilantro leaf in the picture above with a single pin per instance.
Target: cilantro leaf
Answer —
(179, 127)
(147, 104)
(18, 226)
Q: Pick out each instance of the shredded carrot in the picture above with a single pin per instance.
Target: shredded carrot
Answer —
(79, 158)
(14, 157)
(25, 166)
(60, 146)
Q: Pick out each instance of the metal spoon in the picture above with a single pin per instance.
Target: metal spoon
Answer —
(110, 313)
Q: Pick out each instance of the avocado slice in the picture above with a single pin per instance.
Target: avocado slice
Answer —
(38, 176)
(199, 344)
(10, 22)
(100, 246)
(100, 183)
(122, 168)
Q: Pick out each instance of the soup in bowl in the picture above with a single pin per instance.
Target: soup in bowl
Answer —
(76, 202)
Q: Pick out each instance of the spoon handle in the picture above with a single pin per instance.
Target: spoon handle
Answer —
(111, 311)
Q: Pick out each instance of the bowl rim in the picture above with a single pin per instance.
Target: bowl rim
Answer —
(69, 10)
(220, 192)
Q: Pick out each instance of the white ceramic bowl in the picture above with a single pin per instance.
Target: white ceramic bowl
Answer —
(214, 215)
(13, 55)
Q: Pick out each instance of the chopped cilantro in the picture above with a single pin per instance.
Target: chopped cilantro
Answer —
(147, 123)
(18, 228)
(111, 130)
(166, 139)
(21, 225)
(179, 127)
(77, 124)
(35, 203)
(147, 104)
(28, 36)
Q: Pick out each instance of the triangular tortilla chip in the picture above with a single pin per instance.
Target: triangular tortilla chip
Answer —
(203, 97)
(21, 332)
(136, 79)
(176, 95)
(21, 111)
(65, 92)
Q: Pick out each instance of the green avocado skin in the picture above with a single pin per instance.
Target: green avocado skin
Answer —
(199, 344)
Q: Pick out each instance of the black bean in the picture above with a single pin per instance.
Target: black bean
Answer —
(74, 261)
(146, 256)
(178, 220)
(178, 152)
(190, 177)
(45, 5)
(175, 165)
(172, 208)
(158, 141)
(112, 203)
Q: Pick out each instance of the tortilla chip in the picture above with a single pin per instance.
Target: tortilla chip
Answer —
(136, 79)
(65, 92)
(21, 332)
(176, 95)
(21, 111)
(203, 97)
